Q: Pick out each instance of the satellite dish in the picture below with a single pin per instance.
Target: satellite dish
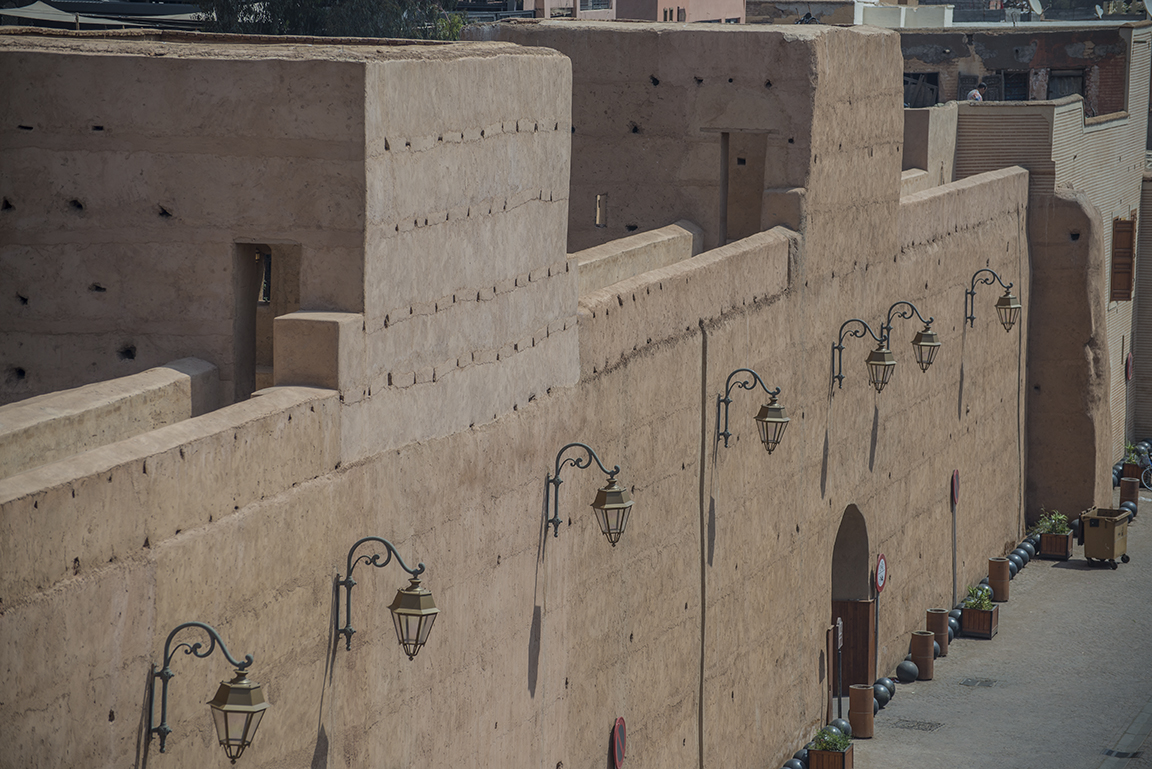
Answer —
(1099, 12)
(1036, 7)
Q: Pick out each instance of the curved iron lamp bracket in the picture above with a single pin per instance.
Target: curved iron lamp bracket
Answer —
(554, 480)
(970, 294)
(723, 401)
(165, 674)
(909, 310)
(348, 583)
(838, 348)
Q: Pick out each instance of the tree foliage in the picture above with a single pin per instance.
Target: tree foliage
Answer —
(414, 19)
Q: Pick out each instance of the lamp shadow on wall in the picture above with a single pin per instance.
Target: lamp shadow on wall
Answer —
(875, 435)
(537, 611)
(320, 752)
(960, 389)
(824, 466)
(143, 738)
(711, 528)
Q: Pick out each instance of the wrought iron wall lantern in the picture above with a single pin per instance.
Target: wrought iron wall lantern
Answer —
(237, 707)
(1008, 307)
(771, 420)
(413, 610)
(612, 505)
(881, 363)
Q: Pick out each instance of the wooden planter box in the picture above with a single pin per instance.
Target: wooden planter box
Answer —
(830, 759)
(1055, 547)
(978, 623)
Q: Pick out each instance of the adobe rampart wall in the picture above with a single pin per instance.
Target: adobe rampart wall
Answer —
(337, 160)
(706, 623)
(627, 257)
(930, 141)
(727, 557)
(49, 427)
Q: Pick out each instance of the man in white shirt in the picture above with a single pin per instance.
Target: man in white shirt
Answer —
(977, 93)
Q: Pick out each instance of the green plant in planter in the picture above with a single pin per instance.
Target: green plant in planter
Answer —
(828, 740)
(1130, 453)
(978, 599)
(1053, 522)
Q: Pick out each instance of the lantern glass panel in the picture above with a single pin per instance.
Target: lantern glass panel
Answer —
(927, 344)
(771, 421)
(613, 521)
(881, 364)
(237, 710)
(413, 612)
(612, 507)
(1008, 308)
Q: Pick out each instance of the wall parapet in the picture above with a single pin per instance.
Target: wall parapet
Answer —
(938, 212)
(105, 504)
(627, 257)
(50, 427)
(661, 304)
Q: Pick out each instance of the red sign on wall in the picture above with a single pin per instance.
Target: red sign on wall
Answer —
(619, 741)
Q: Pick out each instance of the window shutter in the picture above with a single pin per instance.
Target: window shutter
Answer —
(1123, 259)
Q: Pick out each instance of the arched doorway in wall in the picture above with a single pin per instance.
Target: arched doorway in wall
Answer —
(853, 602)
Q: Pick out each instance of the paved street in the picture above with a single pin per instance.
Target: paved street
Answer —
(1072, 674)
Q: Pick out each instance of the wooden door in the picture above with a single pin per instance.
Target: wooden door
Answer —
(859, 643)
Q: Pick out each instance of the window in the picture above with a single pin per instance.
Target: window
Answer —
(1065, 82)
(1015, 86)
(921, 89)
(1123, 258)
(681, 14)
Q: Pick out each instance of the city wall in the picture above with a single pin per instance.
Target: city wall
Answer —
(627, 257)
(58, 425)
(705, 626)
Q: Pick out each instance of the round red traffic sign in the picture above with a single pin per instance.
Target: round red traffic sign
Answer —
(881, 573)
(619, 740)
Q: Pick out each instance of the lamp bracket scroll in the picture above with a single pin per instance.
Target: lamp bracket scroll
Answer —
(838, 348)
(165, 674)
(373, 560)
(907, 312)
(554, 480)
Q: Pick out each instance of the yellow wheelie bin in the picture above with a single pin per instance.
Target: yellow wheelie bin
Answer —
(1105, 536)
